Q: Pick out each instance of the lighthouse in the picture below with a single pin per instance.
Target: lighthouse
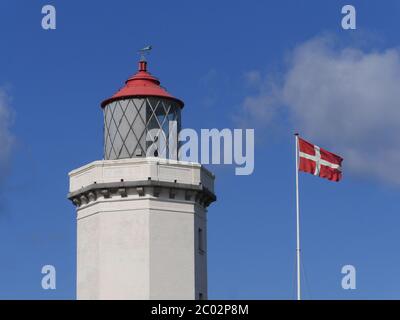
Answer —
(141, 212)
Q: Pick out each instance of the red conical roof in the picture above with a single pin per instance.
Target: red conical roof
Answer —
(142, 84)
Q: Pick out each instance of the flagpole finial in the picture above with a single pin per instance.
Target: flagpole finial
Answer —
(296, 133)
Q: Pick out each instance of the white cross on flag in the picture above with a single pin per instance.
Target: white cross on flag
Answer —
(319, 162)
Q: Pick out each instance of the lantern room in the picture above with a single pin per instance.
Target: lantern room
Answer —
(138, 116)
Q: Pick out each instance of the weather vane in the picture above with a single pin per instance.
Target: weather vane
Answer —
(143, 52)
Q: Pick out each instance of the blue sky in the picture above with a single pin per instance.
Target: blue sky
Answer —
(234, 64)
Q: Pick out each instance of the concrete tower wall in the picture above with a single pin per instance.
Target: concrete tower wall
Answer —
(143, 237)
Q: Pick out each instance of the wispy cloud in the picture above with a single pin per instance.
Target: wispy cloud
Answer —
(212, 85)
(344, 98)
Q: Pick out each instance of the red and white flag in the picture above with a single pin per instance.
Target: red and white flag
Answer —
(319, 162)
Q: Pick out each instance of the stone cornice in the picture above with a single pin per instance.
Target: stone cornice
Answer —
(90, 193)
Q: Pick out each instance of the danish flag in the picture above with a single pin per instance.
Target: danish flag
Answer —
(318, 161)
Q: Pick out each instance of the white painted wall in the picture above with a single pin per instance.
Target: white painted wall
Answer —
(140, 247)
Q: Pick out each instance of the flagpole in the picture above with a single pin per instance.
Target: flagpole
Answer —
(297, 217)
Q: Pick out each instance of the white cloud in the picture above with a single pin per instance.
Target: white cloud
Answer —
(6, 137)
(342, 98)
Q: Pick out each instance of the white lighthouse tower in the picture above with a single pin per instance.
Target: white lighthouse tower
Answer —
(141, 218)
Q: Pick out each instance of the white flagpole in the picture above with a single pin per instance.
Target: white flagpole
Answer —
(297, 217)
